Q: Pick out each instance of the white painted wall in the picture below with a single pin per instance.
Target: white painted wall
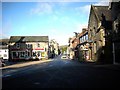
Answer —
(4, 53)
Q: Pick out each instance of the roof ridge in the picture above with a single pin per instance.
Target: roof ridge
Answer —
(29, 38)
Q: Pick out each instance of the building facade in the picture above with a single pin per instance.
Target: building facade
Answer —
(4, 52)
(71, 48)
(28, 47)
(83, 46)
(100, 45)
(54, 48)
(115, 11)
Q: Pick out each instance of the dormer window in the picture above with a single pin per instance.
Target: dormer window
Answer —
(18, 45)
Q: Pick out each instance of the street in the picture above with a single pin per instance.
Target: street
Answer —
(60, 73)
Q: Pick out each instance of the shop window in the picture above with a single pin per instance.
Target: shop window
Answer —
(43, 54)
(34, 53)
(38, 53)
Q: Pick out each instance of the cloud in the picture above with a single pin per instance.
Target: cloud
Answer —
(80, 26)
(62, 39)
(42, 8)
(65, 20)
(60, 36)
(84, 9)
(102, 3)
(3, 36)
(53, 0)
(55, 17)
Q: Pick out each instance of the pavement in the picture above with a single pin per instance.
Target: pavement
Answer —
(115, 66)
(22, 63)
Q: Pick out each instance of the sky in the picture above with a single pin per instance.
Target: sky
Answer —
(58, 20)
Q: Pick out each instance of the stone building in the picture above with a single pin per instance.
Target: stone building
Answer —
(114, 6)
(99, 26)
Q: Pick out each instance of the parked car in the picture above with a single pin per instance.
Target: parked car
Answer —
(65, 56)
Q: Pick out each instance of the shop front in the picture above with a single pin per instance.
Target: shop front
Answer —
(39, 53)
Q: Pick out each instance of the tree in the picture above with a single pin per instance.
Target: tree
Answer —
(64, 49)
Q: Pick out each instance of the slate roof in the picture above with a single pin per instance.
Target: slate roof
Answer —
(3, 47)
(4, 41)
(29, 39)
(99, 10)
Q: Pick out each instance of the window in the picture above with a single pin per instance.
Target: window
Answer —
(15, 54)
(28, 45)
(45, 49)
(28, 53)
(87, 37)
(43, 54)
(22, 54)
(34, 53)
(17, 45)
(84, 38)
(80, 40)
(38, 45)
(38, 53)
(95, 47)
(5, 55)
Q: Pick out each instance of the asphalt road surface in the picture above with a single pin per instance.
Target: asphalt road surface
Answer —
(59, 73)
